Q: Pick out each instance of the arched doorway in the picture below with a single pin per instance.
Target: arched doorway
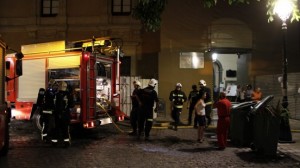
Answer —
(231, 40)
(217, 77)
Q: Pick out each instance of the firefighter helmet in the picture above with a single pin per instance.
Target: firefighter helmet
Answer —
(178, 85)
(62, 86)
(202, 82)
(136, 82)
(152, 82)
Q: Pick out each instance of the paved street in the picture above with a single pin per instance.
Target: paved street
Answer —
(108, 147)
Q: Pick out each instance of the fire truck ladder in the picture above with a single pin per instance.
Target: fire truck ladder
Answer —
(91, 87)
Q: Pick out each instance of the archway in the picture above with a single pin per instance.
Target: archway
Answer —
(231, 39)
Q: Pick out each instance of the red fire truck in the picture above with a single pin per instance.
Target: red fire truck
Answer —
(90, 67)
(4, 119)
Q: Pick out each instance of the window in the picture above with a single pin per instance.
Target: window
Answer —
(121, 7)
(50, 7)
(191, 60)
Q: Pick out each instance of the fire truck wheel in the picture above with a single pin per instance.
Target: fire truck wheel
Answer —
(36, 120)
(4, 150)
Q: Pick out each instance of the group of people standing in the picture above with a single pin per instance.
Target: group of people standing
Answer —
(178, 97)
(247, 93)
(199, 104)
(143, 101)
(54, 104)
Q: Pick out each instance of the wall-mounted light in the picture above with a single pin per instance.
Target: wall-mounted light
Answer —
(280, 79)
(214, 57)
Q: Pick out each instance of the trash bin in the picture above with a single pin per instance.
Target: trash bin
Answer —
(266, 126)
(240, 132)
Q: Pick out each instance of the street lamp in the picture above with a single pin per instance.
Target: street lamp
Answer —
(284, 8)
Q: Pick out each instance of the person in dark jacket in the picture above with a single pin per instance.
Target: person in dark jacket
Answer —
(148, 98)
(63, 104)
(177, 98)
(135, 110)
(192, 100)
(45, 102)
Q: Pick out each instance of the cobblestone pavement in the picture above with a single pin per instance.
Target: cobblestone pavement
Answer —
(292, 149)
(106, 147)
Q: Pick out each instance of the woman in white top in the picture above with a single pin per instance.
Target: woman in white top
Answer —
(200, 116)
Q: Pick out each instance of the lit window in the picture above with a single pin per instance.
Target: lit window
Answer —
(50, 7)
(121, 7)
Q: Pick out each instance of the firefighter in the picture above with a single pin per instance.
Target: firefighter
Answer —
(207, 100)
(135, 107)
(46, 105)
(148, 97)
(177, 98)
(63, 104)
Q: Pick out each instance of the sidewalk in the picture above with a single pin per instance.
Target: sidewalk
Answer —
(290, 149)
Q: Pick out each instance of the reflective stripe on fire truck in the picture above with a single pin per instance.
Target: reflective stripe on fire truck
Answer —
(47, 112)
(54, 140)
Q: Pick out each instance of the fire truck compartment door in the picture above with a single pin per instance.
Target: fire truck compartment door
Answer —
(33, 78)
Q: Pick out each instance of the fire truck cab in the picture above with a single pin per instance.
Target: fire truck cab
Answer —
(89, 67)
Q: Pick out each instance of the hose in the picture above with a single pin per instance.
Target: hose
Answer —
(106, 112)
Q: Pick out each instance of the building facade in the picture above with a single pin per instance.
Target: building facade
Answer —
(188, 31)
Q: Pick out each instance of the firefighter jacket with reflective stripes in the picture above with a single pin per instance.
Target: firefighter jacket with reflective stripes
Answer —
(148, 96)
(177, 97)
(63, 103)
(49, 100)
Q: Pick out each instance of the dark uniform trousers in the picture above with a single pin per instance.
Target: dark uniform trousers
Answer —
(62, 117)
(62, 123)
(46, 120)
(134, 118)
(176, 115)
(145, 120)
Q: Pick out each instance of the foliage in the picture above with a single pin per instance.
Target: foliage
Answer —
(270, 7)
(149, 11)
(211, 3)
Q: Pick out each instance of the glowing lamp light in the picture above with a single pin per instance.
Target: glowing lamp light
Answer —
(283, 8)
(86, 56)
(195, 60)
(214, 57)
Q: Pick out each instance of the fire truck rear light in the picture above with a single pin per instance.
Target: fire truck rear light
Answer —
(86, 56)
(90, 124)
(121, 118)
